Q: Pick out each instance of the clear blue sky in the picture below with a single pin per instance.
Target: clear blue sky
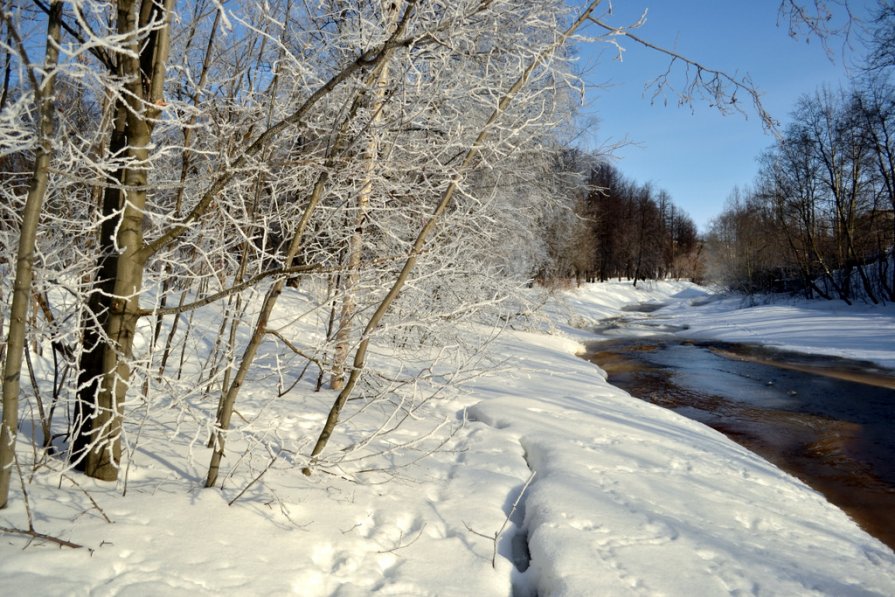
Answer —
(695, 153)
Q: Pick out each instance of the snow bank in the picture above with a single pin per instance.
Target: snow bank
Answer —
(632, 499)
(864, 332)
(627, 498)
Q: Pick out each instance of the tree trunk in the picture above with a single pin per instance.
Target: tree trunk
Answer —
(351, 279)
(341, 142)
(469, 157)
(231, 393)
(21, 297)
(110, 325)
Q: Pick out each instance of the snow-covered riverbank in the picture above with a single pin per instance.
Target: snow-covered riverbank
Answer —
(626, 498)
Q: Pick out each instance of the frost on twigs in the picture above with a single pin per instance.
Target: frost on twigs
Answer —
(232, 194)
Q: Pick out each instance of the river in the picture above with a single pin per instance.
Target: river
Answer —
(827, 420)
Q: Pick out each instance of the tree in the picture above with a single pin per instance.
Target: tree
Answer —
(640, 233)
(473, 153)
(104, 370)
(741, 244)
(377, 104)
(826, 184)
(882, 39)
(43, 89)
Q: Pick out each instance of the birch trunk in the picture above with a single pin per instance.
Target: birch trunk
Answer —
(390, 10)
(228, 398)
(470, 156)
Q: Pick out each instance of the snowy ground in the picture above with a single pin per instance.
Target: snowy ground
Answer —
(626, 498)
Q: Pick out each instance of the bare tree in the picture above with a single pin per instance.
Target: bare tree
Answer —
(390, 11)
(43, 88)
(399, 162)
(104, 371)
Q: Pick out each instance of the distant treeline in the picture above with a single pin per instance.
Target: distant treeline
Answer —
(819, 219)
(623, 229)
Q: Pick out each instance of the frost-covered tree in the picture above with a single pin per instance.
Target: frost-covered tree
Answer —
(42, 89)
(395, 162)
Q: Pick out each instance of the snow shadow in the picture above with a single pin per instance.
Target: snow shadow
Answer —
(513, 543)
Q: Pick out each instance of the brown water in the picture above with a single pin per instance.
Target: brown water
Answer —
(828, 421)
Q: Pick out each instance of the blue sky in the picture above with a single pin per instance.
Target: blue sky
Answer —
(695, 153)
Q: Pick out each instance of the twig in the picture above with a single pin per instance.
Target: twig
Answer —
(253, 481)
(496, 537)
(36, 535)
(89, 497)
(30, 532)
(714, 85)
(475, 532)
(346, 531)
(282, 393)
(25, 500)
(293, 347)
(408, 544)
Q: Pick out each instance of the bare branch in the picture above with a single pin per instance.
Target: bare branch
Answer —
(288, 271)
(711, 81)
(40, 536)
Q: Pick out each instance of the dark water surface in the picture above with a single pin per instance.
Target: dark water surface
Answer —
(828, 421)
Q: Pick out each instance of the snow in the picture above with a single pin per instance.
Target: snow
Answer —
(626, 499)
(863, 332)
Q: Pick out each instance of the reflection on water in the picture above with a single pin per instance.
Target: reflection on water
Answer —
(828, 421)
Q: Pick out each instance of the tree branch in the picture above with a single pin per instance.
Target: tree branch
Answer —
(370, 58)
(97, 52)
(299, 269)
(37, 535)
(294, 348)
(714, 84)
(472, 153)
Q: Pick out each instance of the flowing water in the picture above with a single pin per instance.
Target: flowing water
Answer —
(828, 421)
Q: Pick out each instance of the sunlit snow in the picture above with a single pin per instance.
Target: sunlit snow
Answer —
(626, 498)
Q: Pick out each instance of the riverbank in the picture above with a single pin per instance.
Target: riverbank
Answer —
(859, 332)
(864, 332)
(612, 496)
(826, 419)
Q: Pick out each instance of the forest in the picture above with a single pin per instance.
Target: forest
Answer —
(637, 232)
(404, 166)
